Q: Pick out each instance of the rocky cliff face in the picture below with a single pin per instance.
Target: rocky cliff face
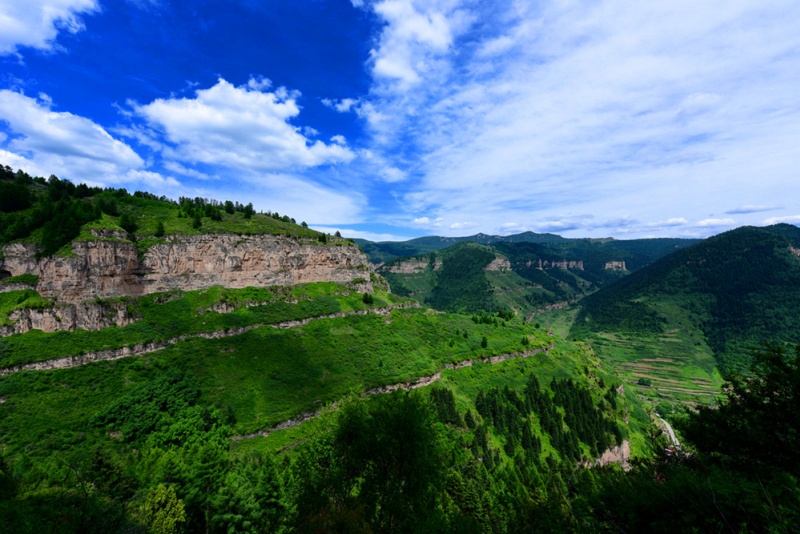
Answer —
(547, 264)
(66, 316)
(110, 267)
(615, 266)
(498, 264)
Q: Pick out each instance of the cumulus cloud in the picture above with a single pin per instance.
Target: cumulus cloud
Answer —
(45, 142)
(428, 222)
(245, 127)
(36, 23)
(342, 106)
(462, 225)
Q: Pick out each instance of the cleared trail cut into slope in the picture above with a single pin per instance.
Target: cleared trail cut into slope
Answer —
(420, 382)
(153, 346)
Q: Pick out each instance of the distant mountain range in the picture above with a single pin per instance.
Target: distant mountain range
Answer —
(384, 251)
(523, 272)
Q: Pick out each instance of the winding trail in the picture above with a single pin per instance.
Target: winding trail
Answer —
(421, 382)
(153, 346)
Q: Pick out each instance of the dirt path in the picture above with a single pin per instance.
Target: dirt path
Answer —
(421, 382)
(146, 348)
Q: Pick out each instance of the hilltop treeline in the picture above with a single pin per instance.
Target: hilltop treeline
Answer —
(52, 211)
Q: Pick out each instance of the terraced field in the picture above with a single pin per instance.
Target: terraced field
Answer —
(676, 366)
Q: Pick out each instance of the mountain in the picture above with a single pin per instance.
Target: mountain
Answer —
(195, 366)
(673, 328)
(742, 287)
(180, 363)
(637, 249)
(523, 276)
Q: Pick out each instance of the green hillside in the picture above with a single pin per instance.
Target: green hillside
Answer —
(530, 276)
(739, 288)
(672, 329)
(53, 212)
(139, 425)
(318, 408)
(638, 252)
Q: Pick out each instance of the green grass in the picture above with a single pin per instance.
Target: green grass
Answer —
(27, 279)
(566, 360)
(17, 300)
(678, 362)
(265, 376)
(168, 315)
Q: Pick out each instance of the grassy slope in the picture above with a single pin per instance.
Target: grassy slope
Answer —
(740, 289)
(262, 377)
(168, 315)
(566, 360)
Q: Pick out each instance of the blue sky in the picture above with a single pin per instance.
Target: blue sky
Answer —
(392, 119)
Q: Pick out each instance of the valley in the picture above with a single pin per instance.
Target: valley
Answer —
(198, 360)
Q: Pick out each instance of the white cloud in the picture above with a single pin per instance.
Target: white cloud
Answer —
(787, 219)
(186, 171)
(339, 140)
(410, 42)
(61, 143)
(36, 23)
(716, 222)
(526, 110)
(427, 222)
(462, 225)
(245, 128)
(342, 106)
(672, 221)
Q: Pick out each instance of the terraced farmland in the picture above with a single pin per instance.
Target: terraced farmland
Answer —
(677, 365)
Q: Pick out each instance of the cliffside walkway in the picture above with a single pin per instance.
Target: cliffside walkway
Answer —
(153, 346)
(420, 382)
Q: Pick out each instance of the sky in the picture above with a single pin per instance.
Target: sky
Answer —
(393, 119)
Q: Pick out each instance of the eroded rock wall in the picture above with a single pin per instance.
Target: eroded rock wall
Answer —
(109, 266)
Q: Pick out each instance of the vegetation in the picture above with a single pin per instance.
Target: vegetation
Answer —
(166, 316)
(532, 275)
(53, 212)
(739, 289)
(265, 412)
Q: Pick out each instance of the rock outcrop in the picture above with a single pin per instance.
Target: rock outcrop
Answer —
(110, 267)
(498, 264)
(555, 264)
(410, 266)
(86, 315)
(615, 266)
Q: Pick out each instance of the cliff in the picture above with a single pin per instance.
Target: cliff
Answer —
(109, 266)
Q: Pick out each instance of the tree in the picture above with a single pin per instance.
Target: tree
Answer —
(249, 211)
(128, 223)
(484, 342)
(163, 512)
(758, 424)
(160, 230)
